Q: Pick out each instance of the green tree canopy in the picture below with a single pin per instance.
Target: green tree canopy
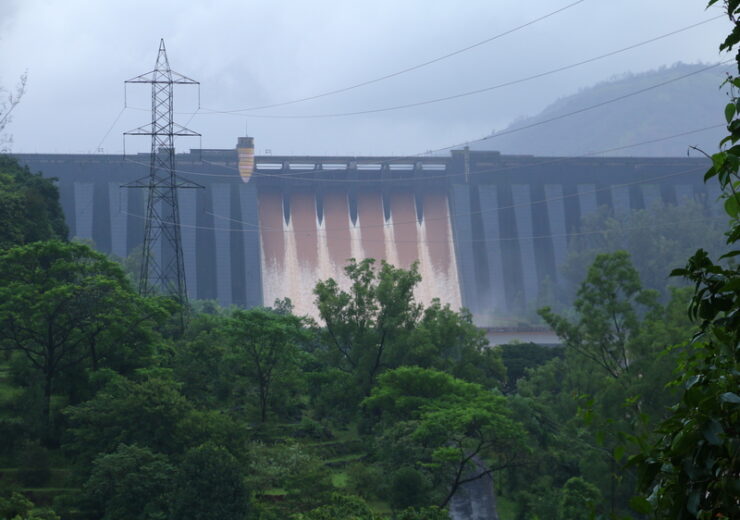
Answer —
(444, 426)
(29, 206)
(691, 472)
(210, 486)
(131, 482)
(264, 355)
(63, 305)
(366, 325)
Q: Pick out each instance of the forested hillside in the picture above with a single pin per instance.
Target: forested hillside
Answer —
(684, 105)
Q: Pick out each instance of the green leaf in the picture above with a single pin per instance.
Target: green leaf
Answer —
(730, 397)
(640, 505)
(618, 452)
(712, 432)
(718, 160)
(732, 206)
(729, 111)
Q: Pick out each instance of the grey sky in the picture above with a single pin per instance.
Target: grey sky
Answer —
(247, 53)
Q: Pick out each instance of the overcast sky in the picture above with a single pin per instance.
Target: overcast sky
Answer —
(249, 53)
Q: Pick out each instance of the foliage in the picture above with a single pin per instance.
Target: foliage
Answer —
(29, 206)
(578, 500)
(7, 106)
(292, 468)
(198, 360)
(35, 468)
(151, 414)
(449, 341)
(656, 238)
(131, 482)
(377, 325)
(341, 507)
(520, 357)
(366, 326)
(691, 472)
(209, 485)
(18, 507)
(611, 379)
(445, 426)
(609, 303)
(63, 304)
(264, 354)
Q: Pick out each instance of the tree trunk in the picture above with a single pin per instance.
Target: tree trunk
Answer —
(46, 407)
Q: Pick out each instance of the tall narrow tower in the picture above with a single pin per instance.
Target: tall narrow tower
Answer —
(162, 270)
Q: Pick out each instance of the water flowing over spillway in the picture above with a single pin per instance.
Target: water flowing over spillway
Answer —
(307, 237)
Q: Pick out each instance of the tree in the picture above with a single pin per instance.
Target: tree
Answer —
(131, 482)
(7, 106)
(18, 507)
(63, 304)
(366, 325)
(263, 349)
(520, 357)
(608, 386)
(445, 426)
(578, 500)
(449, 341)
(657, 238)
(609, 304)
(210, 485)
(29, 206)
(303, 478)
(341, 507)
(691, 471)
(150, 414)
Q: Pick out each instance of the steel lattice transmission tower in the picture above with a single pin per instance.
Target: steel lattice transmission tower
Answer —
(163, 273)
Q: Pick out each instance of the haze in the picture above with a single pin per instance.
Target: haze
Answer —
(78, 54)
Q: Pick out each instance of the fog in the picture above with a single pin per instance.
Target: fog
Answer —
(78, 54)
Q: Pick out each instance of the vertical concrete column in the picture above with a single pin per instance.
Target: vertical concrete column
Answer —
(186, 202)
(651, 195)
(523, 211)
(251, 244)
(492, 236)
(556, 215)
(464, 245)
(621, 199)
(222, 224)
(118, 204)
(83, 192)
(587, 199)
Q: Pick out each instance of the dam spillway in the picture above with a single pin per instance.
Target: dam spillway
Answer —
(487, 230)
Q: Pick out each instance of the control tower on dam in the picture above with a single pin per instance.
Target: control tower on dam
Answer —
(488, 230)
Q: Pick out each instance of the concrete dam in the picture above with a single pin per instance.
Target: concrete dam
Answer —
(487, 230)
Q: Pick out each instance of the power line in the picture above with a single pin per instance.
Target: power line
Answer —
(259, 228)
(532, 125)
(448, 175)
(235, 112)
(414, 67)
(450, 240)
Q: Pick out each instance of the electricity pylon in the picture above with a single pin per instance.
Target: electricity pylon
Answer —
(163, 274)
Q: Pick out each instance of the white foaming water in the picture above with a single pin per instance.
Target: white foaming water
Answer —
(296, 278)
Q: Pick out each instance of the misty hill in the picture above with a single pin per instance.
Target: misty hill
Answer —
(684, 105)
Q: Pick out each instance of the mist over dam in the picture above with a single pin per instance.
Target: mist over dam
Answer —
(488, 230)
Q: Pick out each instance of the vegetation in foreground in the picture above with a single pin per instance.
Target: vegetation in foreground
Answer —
(108, 410)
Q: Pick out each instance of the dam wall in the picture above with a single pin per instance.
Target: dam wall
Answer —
(488, 231)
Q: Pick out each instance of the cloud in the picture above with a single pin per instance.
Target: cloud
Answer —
(79, 52)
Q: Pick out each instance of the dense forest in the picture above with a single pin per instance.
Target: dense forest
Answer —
(384, 409)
